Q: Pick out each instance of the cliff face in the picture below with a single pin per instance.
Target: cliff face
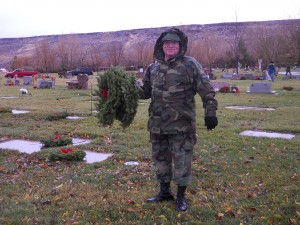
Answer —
(10, 47)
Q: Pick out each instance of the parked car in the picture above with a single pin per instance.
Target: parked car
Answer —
(82, 70)
(20, 73)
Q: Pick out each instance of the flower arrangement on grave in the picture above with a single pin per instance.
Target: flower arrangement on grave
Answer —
(224, 89)
(56, 141)
(67, 155)
(118, 97)
(235, 89)
(227, 89)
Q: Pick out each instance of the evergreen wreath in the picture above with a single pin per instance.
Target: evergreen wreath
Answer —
(67, 155)
(55, 141)
(118, 97)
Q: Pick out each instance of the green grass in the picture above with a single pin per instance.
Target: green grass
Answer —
(236, 179)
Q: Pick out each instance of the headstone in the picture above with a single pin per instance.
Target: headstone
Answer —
(236, 77)
(17, 82)
(249, 76)
(263, 87)
(27, 80)
(226, 76)
(218, 85)
(83, 81)
(46, 84)
(72, 84)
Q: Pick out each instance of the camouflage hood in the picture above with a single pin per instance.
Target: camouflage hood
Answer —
(158, 50)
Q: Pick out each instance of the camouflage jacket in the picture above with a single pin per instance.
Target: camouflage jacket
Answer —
(172, 86)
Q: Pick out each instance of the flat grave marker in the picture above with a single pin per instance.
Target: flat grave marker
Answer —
(29, 147)
(266, 134)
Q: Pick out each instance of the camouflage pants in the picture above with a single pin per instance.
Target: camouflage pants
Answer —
(172, 155)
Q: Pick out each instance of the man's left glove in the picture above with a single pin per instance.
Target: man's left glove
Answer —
(211, 122)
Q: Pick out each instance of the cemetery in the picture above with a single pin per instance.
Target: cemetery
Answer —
(247, 169)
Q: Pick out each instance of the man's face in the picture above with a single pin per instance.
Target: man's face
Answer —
(171, 49)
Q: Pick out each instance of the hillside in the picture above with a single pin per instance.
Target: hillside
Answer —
(10, 47)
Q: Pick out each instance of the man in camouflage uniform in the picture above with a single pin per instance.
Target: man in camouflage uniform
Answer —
(171, 82)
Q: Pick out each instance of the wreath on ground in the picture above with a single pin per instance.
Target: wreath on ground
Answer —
(67, 155)
(227, 89)
(118, 97)
(55, 141)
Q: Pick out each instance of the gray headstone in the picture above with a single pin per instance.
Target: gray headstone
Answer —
(237, 77)
(83, 81)
(218, 85)
(263, 87)
(227, 76)
(249, 76)
(46, 84)
(72, 84)
(27, 80)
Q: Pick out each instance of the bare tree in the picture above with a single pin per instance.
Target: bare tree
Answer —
(62, 52)
(292, 32)
(70, 52)
(25, 62)
(211, 47)
(45, 56)
(140, 54)
(115, 53)
(195, 50)
(95, 57)
(267, 43)
(233, 40)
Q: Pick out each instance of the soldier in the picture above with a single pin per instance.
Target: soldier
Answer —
(171, 82)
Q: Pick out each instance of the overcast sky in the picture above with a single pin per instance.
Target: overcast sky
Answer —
(27, 18)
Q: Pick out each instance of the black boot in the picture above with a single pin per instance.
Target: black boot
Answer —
(165, 194)
(181, 201)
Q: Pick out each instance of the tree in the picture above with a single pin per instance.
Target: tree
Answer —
(243, 52)
(211, 49)
(14, 63)
(25, 62)
(45, 56)
(292, 32)
(233, 41)
(62, 52)
(95, 57)
(115, 53)
(269, 43)
(140, 54)
(194, 49)
(70, 52)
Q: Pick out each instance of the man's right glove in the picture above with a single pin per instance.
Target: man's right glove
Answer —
(211, 122)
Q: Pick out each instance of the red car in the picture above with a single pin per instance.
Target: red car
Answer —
(20, 73)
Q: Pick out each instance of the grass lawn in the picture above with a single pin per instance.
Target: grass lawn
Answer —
(236, 179)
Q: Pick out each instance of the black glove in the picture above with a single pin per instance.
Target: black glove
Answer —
(211, 122)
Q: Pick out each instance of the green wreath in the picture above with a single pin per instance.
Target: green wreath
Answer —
(55, 141)
(118, 97)
(67, 154)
